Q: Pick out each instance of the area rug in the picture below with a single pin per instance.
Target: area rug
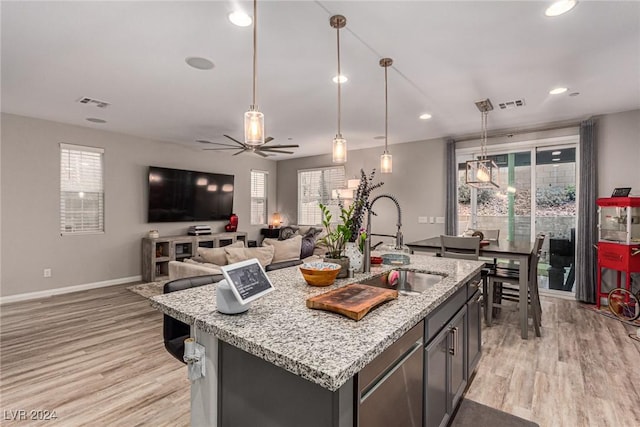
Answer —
(148, 290)
(474, 414)
(606, 312)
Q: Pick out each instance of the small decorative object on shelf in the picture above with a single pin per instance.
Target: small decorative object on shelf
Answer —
(233, 223)
(154, 234)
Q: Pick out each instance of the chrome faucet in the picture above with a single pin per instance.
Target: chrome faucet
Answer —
(366, 265)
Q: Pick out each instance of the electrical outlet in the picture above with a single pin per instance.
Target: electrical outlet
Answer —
(423, 220)
(46, 272)
(439, 220)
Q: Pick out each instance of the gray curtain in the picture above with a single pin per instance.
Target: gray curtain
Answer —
(451, 203)
(587, 232)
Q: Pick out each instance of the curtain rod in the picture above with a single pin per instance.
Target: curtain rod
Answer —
(520, 132)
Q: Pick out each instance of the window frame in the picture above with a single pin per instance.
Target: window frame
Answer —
(265, 198)
(335, 183)
(83, 187)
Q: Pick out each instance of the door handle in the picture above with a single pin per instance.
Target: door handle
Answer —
(454, 348)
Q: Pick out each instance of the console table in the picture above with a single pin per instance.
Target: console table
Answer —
(157, 252)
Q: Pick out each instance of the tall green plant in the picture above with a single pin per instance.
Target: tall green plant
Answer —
(339, 234)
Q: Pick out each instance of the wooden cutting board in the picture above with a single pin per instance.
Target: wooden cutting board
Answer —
(353, 301)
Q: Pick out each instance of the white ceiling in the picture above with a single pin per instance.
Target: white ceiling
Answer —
(447, 55)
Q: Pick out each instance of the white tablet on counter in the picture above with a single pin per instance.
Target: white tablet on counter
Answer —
(247, 280)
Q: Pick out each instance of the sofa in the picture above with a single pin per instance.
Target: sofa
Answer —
(294, 246)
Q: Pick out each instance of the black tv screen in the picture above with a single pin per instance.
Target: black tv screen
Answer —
(181, 195)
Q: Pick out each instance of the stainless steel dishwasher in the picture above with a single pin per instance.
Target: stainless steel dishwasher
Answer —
(390, 387)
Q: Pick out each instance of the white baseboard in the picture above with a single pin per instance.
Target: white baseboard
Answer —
(66, 290)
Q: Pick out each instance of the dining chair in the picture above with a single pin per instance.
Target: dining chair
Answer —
(459, 247)
(174, 331)
(506, 278)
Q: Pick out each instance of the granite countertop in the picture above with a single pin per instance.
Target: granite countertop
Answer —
(322, 347)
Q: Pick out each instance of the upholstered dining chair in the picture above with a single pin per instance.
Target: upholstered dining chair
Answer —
(503, 285)
(459, 247)
(174, 331)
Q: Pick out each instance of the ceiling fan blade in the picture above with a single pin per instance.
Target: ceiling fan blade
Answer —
(218, 143)
(217, 149)
(280, 146)
(268, 150)
(236, 141)
(260, 153)
(268, 139)
(240, 152)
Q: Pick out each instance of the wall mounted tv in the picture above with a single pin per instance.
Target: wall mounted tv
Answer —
(181, 195)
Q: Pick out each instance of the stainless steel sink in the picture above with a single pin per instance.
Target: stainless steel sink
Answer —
(408, 282)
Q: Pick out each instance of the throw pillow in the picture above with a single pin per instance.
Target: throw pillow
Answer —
(217, 255)
(287, 232)
(309, 242)
(285, 250)
(264, 254)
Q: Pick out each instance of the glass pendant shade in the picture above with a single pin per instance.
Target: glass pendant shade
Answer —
(339, 149)
(386, 163)
(482, 173)
(253, 127)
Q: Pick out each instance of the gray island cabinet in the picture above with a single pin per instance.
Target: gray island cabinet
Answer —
(406, 363)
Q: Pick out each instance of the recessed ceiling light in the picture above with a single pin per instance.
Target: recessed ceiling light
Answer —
(425, 116)
(555, 165)
(556, 153)
(340, 79)
(95, 120)
(558, 91)
(560, 7)
(379, 137)
(240, 18)
(199, 63)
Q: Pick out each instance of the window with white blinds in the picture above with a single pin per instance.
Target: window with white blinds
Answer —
(259, 197)
(315, 186)
(81, 189)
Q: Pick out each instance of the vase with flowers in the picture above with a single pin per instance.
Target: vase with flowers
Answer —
(360, 205)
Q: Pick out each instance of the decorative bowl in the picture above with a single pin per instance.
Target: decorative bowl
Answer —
(320, 273)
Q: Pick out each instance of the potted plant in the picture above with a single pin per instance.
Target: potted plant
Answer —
(337, 236)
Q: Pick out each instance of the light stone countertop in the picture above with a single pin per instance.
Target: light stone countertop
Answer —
(322, 347)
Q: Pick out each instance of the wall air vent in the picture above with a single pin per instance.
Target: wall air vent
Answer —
(511, 104)
(95, 102)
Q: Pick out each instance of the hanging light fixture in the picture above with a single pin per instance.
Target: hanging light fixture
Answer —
(339, 143)
(483, 172)
(386, 161)
(254, 119)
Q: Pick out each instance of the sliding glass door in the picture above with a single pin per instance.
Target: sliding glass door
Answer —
(537, 194)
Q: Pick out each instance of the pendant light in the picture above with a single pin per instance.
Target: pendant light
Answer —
(254, 119)
(339, 143)
(386, 161)
(483, 172)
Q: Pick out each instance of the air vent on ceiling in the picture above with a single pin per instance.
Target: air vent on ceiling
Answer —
(511, 104)
(94, 102)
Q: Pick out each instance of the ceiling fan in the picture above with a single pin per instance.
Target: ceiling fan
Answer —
(261, 150)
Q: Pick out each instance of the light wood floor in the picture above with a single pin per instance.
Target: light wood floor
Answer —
(96, 358)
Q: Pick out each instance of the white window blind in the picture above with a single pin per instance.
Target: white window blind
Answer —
(315, 186)
(81, 189)
(259, 197)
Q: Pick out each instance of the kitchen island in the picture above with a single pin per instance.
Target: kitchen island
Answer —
(282, 363)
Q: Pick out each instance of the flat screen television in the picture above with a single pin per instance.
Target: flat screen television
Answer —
(182, 195)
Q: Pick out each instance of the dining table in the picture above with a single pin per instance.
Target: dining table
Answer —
(517, 250)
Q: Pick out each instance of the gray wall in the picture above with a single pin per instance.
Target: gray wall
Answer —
(417, 182)
(618, 152)
(30, 181)
(418, 177)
